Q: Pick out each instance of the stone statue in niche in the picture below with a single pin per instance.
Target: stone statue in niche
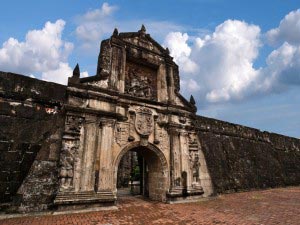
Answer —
(140, 81)
(194, 160)
(195, 165)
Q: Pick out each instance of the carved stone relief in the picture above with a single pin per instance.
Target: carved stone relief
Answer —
(163, 138)
(121, 134)
(144, 121)
(67, 164)
(100, 83)
(69, 153)
(194, 160)
(140, 81)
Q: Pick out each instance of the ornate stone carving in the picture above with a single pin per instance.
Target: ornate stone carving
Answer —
(69, 153)
(73, 124)
(100, 83)
(144, 121)
(140, 81)
(67, 164)
(121, 134)
(194, 160)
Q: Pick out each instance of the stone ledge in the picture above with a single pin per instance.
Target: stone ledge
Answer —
(58, 212)
(72, 200)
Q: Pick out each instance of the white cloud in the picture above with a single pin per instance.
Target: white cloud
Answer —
(283, 63)
(219, 67)
(180, 50)
(94, 24)
(58, 75)
(283, 67)
(43, 52)
(287, 31)
(84, 74)
(220, 64)
(97, 24)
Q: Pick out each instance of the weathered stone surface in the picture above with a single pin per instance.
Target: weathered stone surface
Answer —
(31, 121)
(241, 158)
(63, 146)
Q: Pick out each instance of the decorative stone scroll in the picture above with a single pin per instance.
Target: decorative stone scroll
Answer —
(121, 134)
(163, 138)
(144, 121)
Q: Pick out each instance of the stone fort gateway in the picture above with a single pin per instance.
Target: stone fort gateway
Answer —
(126, 128)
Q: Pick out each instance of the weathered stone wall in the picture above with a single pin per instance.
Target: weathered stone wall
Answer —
(156, 180)
(32, 122)
(242, 158)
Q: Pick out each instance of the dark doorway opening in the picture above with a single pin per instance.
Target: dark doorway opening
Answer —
(140, 173)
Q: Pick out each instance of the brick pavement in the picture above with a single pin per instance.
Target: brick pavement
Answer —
(274, 206)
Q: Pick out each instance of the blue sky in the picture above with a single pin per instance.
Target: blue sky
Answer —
(240, 59)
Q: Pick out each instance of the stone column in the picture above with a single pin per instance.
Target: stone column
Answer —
(106, 168)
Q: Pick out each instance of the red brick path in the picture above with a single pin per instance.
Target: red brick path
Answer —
(276, 206)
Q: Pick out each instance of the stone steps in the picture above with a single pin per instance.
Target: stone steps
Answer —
(84, 197)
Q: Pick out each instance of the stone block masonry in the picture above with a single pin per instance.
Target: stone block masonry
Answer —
(31, 120)
(240, 158)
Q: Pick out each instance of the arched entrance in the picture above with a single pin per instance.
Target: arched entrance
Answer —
(149, 171)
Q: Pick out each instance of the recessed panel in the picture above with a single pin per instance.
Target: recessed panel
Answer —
(140, 81)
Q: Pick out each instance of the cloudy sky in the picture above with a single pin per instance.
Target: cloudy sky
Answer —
(239, 59)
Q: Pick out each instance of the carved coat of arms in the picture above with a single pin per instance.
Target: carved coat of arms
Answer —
(144, 121)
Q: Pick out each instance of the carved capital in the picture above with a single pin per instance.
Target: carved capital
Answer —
(105, 122)
(173, 131)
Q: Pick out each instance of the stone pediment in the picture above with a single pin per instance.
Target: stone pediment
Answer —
(143, 40)
(133, 65)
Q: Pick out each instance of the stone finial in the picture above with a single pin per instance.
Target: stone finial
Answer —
(143, 29)
(192, 100)
(116, 32)
(168, 51)
(76, 71)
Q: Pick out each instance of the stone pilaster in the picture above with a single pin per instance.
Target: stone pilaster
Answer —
(69, 154)
(88, 161)
(175, 158)
(106, 169)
